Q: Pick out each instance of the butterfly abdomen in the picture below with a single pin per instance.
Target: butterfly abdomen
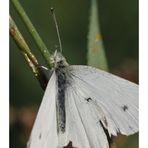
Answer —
(60, 105)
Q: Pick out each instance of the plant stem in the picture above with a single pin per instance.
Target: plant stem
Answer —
(29, 57)
(43, 49)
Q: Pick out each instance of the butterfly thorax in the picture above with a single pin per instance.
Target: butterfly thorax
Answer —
(58, 60)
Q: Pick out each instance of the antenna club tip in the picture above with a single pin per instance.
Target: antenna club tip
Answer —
(52, 9)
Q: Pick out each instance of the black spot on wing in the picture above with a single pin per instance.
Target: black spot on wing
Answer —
(125, 107)
(88, 99)
(130, 128)
(40, 136)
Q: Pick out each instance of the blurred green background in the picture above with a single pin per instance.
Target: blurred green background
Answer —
(119, 27)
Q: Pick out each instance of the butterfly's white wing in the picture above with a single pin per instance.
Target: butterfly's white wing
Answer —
(93, 100)
(80, 129)
(113, 101)
(44, 132)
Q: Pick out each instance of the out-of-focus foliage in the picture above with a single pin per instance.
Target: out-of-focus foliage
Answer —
(119, 27)
(96, 53)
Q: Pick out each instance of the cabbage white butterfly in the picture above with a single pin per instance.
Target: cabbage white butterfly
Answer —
(79, 103)
(84, 106)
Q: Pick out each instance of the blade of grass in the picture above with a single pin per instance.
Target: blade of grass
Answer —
(42, 47)
(96, 53)
(17, 36)
(24, 48)
(28, 55)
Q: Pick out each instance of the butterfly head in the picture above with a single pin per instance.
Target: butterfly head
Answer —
(57, 59)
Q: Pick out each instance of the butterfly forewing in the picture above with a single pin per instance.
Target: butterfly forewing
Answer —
(115, 97)
(44, 132)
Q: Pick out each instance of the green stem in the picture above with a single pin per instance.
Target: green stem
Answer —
(29, 57)
(43, 49)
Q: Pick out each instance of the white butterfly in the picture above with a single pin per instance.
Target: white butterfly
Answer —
(85, 106)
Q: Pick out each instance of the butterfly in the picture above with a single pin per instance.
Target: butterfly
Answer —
(84, 106)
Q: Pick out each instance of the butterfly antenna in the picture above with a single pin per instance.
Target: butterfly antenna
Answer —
(57, 28)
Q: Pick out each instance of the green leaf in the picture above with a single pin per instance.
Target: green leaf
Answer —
(96, 53)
